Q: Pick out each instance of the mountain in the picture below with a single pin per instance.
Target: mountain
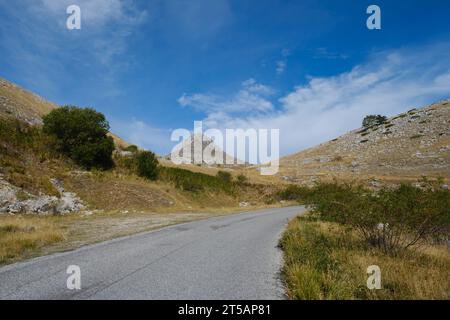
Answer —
(410, 145)
(18, 103)
(198, 145)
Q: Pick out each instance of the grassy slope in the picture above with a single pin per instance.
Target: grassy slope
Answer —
(389, 154)
(327, 261)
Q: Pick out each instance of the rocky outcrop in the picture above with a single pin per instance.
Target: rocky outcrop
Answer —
(14, 200)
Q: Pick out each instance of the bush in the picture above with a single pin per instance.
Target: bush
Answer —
(147, 165)
(389, 219)
(373, 120)
(293, 192)
(196, 181)
(241, 179)
(18, 135)
(328, 261)
(131, 148)
(224, 176)
(81, 134)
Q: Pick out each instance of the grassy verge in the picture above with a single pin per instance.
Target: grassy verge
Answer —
(326, 260)
(20, 235)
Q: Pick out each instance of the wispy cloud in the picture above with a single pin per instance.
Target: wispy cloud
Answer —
(43, 49)
(281, 66)
(323, 108)
(252, 98)
(325, 53)
(282, 63)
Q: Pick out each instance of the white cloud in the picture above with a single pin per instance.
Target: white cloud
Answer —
(252, 86)
(324, 108)
(251, 98)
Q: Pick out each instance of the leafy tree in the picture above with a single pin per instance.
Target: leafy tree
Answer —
(372, 120)
(147, 165)
(81, 134)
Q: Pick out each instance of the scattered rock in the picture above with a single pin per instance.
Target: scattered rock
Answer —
(375, 183)
(44, 204)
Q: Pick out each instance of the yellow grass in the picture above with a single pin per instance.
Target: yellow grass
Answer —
(22, 234)
(326, 261)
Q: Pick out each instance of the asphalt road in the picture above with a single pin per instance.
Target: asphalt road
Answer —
(231, 257)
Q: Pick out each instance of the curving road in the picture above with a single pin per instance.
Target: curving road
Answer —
(231, 257)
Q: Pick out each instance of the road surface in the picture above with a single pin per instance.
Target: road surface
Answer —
(230, 257)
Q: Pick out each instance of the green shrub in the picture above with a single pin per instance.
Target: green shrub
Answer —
(241, 179)
(19, 135)
(196, 181)
(224, 176)
(131, 148)
(81, 134)
(373, 120)
(389, 219)
(293, 192)
(147, 165)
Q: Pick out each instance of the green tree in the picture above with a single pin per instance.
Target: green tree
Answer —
(147, 165)
(81, 134)
(372, 120)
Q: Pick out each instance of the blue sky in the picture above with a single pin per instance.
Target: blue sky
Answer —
(310, 68)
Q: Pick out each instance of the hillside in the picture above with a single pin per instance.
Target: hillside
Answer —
(18, 103)
(408, 146)
(33, 179)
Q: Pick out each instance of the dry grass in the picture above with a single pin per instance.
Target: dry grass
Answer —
(20, 235)
(23, 104)
(327, 261)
